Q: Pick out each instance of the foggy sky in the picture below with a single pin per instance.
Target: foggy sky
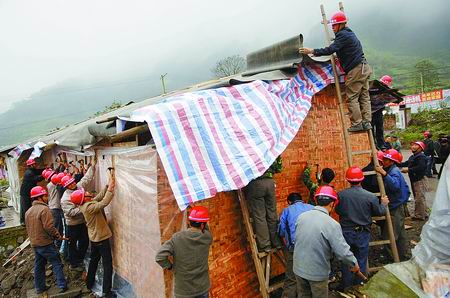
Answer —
(45, 42)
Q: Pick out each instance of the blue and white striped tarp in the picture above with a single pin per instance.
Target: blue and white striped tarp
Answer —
(220, 139)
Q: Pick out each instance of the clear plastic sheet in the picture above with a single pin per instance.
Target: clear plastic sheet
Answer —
(14, 182)
(133, 218)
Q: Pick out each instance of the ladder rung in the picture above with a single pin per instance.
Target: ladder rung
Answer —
(368, 173)
(276, 286)
(380, 242)
(375, 269)
(359, 131)
(377, 194)
(361, 152)
(376, 218)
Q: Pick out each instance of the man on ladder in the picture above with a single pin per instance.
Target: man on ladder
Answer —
(351, 56)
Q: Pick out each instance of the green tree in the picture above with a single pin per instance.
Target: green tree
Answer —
(426, 78)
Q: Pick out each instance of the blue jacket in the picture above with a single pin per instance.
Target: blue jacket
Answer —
(347, 47)
(396, 188)
(286, 228)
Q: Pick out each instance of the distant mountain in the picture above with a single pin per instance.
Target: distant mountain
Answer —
(393, 44)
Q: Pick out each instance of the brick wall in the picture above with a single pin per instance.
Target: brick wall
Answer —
(320, 140)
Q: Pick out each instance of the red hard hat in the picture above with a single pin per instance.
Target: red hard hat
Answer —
(380, 155)
(56, 179)
(354, 174)
(67, 180)
(30, 162)
(387, 80)
(427, 134)
(37, 191)
(393, 155)
(421, 144)
(44, 172)
(326, 191)
(199, 214)
(338, 18)
(49, 174)
(59, 177)
(77, 197)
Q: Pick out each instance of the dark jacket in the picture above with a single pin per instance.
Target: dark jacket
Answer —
(396, 188)
(190, 250)
(429, 150)
(347, 48)
(357, 206)
(30, 179)
(370, 182)
(417, 166)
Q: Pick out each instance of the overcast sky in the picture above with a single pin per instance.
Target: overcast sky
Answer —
(46, 42)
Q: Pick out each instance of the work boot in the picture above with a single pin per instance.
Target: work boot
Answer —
(356, 128)
(367, 125)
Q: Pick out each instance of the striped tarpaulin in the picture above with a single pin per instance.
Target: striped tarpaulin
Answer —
(220, 139)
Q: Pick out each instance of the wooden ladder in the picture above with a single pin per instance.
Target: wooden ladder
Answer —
(372, 151)
(262, 260)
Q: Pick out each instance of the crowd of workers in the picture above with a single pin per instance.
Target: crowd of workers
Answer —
(306, 232)
(64, 217)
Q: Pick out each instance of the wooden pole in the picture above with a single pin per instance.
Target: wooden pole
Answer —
(128, 133)
(338, 90)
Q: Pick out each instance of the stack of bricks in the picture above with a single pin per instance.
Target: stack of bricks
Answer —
(320, 140)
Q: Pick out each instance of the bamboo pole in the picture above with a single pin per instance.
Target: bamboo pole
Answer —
(128, 133)
(348, 146)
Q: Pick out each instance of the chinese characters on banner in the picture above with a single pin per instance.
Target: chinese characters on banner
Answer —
(423, 97)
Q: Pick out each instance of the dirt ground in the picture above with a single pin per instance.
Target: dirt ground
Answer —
(17, 279)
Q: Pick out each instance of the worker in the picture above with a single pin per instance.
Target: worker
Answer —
(42, 233)
(54, 202)
(31, 177)
(76, 227)
(396, 143)
(262, 207)
(349, 50)
(429, 152)
(398, 193)
(378, 100)
(356, 208)
(370, 182)
(189, 252)
(416, 169)
(286, 230)
(99, 232)
(317, 237)
(444, 151)
(325, 178)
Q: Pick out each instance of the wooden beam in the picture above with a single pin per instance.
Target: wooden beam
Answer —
(49, 147)
(128, 133)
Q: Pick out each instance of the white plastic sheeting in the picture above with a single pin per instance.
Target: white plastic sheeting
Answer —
(133, 216)
(14, 182)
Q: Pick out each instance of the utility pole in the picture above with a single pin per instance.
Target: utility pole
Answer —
(421, 81)
(163, 82)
